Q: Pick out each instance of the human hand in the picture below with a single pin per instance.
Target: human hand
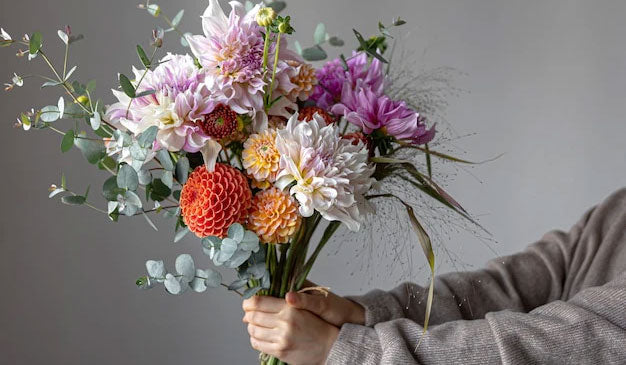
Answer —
(293, 335)
(332, 308)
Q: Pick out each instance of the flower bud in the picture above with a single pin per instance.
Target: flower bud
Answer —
(265, 16)
(83, 99)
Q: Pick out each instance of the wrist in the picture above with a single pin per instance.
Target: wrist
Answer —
(356, 314)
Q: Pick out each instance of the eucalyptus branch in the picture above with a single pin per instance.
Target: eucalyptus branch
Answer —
(171, 24)
(145, 72)
(276, 51)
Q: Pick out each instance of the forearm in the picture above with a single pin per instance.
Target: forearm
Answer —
(590, 328)
(520, 282)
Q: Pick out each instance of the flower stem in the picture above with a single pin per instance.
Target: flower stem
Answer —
(266, 47)
(276, 51)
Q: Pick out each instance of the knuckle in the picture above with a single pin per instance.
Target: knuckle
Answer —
(251, 330)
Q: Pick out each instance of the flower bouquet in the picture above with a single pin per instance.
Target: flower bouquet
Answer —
(245, 144)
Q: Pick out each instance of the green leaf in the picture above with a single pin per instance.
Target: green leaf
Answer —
(95, 121)
(70, 72)
(110, 190)
(165, 160)
(91, 86)
(127, 178)
(367, 48)
(50, 113)
(182, 233)
(178, 18)
(154, 10)
(127, 86)
(145, 93)
(278, 6)
(107, 163)
(315, 53)
(319, 36)
(92, 150)
(159, 191)
(298, 47)
(73, 200)
(143, 57)
(182, 169)
(147, 137)
(336, 42)
(149, 221)
(250, 292)
(50, 83)
(427, 247)
(35, 43)
(398, 22)
(68, 141)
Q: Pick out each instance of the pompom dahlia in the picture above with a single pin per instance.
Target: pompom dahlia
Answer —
(331, 173)
(274, 216)
(180, 99)
(370, 111)
(211, 201)
(260, 157)
(332, 78)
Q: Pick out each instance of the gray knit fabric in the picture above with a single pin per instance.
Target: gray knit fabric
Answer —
(561, 301)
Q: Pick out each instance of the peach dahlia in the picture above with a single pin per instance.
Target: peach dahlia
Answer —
(274, 216)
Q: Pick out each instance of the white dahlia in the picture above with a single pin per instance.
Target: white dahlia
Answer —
(331, 173)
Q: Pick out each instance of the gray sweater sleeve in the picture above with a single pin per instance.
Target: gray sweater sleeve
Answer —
(546, 304)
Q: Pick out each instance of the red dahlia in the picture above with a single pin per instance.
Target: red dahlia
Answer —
(306, 114)
(220, 123)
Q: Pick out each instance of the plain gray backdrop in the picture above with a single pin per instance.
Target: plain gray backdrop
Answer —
(546, 86)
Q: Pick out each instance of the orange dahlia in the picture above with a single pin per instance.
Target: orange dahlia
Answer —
(211, 201)
(261, 158)
(304, 80)
(307, 113)
(274, 216)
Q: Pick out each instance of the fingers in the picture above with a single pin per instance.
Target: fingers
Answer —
(263, 304)
(263, 333)
(269, 348)
(316, 304)
(262, 319)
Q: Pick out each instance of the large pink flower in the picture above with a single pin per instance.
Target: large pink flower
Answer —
(231, 52)
(332, 77)
(180, 99)
(370, 111)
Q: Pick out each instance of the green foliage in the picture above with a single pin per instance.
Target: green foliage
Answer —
(127, 178)
(93, 151)
(127, 86)
(35, 43)
(165, 159)
(73, 200)
(233, 250)
(315, 53)
(179, 16)
(371, 46)
(143, 57)
(68, 141)
(319, 36)
(110, 189)
(182, 169)
(157, 190)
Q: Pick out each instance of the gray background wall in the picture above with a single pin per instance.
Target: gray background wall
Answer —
(547, 87)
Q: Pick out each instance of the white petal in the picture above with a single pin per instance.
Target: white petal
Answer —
(209, 153)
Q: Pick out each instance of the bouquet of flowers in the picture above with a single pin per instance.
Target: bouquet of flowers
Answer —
(245, 144)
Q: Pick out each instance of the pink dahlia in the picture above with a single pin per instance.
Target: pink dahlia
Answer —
(332, 76)
(180, 99)
(371, 111)
(231, 52)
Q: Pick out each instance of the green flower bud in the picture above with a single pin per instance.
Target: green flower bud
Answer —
(265, 17)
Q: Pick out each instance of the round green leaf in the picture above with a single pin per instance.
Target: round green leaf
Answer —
(68, 141)
(127, 178)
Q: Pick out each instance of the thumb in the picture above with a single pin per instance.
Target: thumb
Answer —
(312, 303)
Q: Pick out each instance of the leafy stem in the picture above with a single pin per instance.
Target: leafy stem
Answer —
(145, 72)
